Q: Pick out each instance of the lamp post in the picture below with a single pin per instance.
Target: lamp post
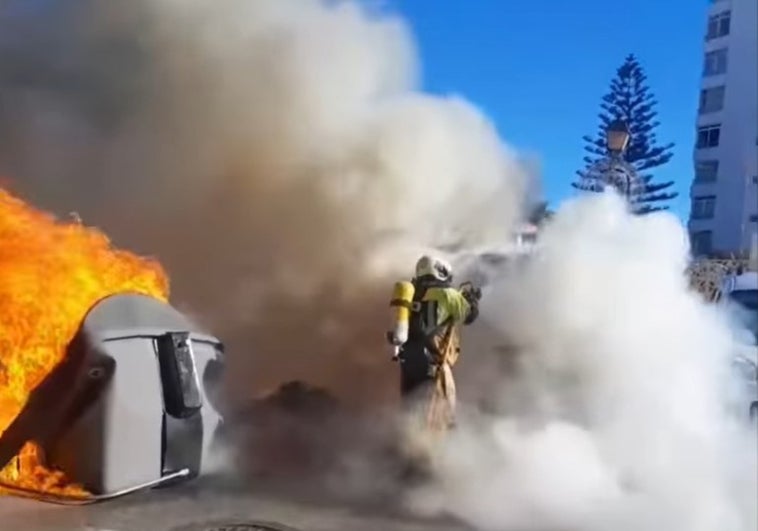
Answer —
(612, 169)
(617, 138)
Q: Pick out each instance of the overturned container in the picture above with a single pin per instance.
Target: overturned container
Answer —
(133, 405)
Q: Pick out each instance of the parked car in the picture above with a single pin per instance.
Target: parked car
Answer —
(741, 292)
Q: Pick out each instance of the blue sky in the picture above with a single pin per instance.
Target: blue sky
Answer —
(538, 68)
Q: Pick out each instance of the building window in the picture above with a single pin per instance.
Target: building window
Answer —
(703, 207)
(718, 25)
(706, 171)
(702, 242)
(712, 99)
(715, 62)
(708, 136)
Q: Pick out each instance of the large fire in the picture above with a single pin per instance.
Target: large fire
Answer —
(51, 273)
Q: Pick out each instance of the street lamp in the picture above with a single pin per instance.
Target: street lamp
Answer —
(613, 170)
(617, 137)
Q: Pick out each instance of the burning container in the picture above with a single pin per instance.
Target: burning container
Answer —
(134, 403)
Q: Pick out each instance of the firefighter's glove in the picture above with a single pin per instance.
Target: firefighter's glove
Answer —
(471, 293)
(473, 313)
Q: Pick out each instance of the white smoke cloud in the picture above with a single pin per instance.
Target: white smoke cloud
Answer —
(613, 416)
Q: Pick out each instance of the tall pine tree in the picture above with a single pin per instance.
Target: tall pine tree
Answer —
(631, 100)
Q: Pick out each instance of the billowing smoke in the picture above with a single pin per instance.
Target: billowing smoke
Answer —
(274, 155)
(605, 387)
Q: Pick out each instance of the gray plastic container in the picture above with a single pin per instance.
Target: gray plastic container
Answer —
(157, 413)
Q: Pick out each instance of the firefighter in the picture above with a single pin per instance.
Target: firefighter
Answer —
(428, 310)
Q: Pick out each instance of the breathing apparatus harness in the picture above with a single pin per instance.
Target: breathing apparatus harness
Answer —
(423, 322)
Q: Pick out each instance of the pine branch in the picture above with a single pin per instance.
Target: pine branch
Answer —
(654, 198)
(645, 209)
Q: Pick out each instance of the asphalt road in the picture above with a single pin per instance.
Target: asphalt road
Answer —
(207, 503)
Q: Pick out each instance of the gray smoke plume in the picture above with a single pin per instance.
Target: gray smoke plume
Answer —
(274, 154)
(278, 159)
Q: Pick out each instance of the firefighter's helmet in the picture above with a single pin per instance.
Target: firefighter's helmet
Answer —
(435, 267)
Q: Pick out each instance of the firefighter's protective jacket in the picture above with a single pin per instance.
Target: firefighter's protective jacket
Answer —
(438, 305)
(438, 309)
(438, 313)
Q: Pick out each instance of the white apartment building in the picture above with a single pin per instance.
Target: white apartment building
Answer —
(724, 191)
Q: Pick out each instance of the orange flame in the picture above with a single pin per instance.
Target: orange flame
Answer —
(51, 273)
